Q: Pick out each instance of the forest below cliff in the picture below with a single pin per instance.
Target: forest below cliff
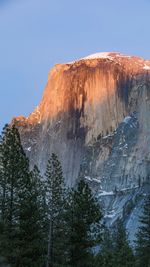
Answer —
(43, 223)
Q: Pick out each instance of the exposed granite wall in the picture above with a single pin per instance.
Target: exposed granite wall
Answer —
(96, 113)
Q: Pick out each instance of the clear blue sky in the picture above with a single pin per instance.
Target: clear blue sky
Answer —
(36, 34)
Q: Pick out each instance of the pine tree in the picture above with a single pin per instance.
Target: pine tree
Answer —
(14, 165)
(55, 198)
(31, 242)
(105, 257)
(143, 237)
(123, 254)
(84, 228)
(43, 210)
(20, 233)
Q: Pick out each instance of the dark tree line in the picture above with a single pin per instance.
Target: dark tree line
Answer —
(45, 224)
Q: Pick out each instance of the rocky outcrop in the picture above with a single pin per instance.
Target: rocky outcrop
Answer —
(95, 114)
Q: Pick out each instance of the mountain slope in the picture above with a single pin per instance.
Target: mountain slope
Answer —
(95, 114)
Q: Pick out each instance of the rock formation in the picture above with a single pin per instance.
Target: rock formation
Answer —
(95, 114)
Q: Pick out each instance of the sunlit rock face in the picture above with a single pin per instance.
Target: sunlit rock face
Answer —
(82, 101)
(95, 114)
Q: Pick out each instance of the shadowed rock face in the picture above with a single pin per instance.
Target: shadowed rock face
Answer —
(95, 113)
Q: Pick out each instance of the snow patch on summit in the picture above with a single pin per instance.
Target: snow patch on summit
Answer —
(95, 56)
(103, 55)
(99, 55)
(109, 55)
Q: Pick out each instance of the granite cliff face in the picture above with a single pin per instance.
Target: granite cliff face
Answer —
(95, 114)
